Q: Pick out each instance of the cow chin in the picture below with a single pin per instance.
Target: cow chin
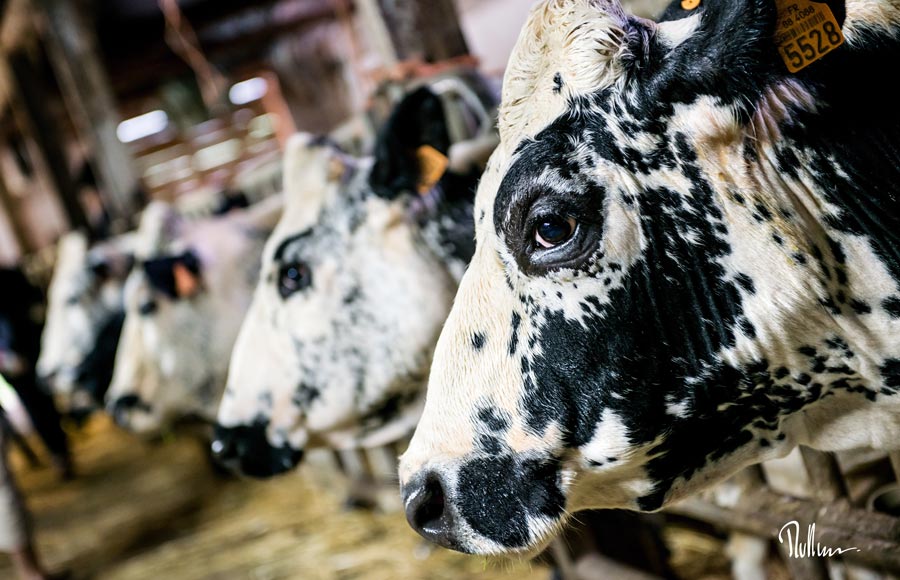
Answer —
(509, 504)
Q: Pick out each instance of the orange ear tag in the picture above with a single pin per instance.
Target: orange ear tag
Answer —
(186, 282)
(689, 4)
(806, 31)
(432, 165)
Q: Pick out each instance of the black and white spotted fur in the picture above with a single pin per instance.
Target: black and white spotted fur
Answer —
(731, 288)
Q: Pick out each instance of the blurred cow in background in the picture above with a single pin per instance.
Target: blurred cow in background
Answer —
(84, 318)
(21, 323)
(184, 302)
(355, 284)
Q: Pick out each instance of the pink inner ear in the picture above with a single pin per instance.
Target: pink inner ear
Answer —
(187, 283)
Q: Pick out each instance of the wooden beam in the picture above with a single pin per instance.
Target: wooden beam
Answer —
(9, 207)
(838, 524)
(423, 31)
(35, 124)
(75, 58)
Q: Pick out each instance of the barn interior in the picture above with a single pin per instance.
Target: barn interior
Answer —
(109, 105)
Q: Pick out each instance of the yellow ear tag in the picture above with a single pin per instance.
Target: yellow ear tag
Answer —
(806, 31)
(432, 165)
(335, 169)
(186, 282)
(689, 4)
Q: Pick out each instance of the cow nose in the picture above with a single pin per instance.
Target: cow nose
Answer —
(120, 407)
(428, 511)
(246, 450)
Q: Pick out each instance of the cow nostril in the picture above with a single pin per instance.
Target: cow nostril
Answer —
(429, 513)
(222, 445)
(120, 407)
(430, 507)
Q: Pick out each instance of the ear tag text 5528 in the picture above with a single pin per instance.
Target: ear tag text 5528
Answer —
(806, 31)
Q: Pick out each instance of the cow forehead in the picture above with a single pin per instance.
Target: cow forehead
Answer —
(328, 206)
(567, 48)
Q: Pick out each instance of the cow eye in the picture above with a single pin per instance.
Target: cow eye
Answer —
(554, 230)
(293, 278)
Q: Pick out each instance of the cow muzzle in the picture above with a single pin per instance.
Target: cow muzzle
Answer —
(122, 409)
(505, 504)
(246, 450)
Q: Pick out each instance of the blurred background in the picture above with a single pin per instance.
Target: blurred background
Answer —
(109, 105)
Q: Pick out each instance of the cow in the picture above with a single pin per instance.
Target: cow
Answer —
(355, 284)
(21, 322)
(184, 302)
(686, 262)
(84, 318)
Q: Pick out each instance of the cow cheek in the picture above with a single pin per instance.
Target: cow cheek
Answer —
(472, 366)
(254, 361)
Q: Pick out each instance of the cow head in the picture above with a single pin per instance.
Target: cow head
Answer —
(184, 305)
(682, 252)
(84, 318)
(355, 284)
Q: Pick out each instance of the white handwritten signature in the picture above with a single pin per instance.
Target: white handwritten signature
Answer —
(790, 533)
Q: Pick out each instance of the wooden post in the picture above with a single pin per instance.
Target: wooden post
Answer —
(428, 31)
(35, 124)
(77, 64)
(824, 473)
(11, 209)
(441, 33)
(380, 37)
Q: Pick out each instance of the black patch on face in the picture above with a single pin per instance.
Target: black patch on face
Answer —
(478, 340)
(493, 502)
(305, 395)
(557, 83)
(890, 372)
(353, 295)
(148, 307)
(747, 328)
(495, 420)
(891, 305)
(514, 336)
(746, 282)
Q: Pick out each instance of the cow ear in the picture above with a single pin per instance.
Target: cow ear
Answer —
(175, 276)
(725, 48)
(411, 150)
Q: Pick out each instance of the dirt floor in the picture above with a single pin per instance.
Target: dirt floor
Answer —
(158, 511)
